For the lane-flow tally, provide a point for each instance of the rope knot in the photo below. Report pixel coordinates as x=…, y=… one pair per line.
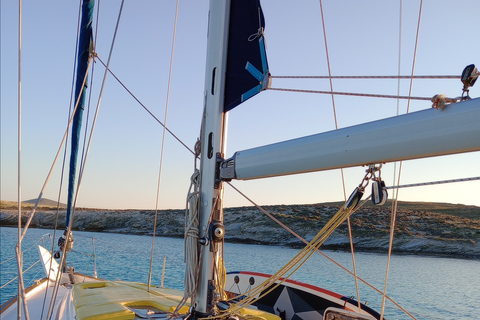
x=198, y=148
x=260, y=28
x=257, y=35
x=440, y=101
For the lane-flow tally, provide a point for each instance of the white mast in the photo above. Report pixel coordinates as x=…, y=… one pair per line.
x=212, y=138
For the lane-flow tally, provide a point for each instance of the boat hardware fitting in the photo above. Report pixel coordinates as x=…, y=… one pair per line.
x=379, y=190
x=469, y=76
x=204, y=241
x=217, y=231
x=227, y=169
x=218, y=168
x=357, y=194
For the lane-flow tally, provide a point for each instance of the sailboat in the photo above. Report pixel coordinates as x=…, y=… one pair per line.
x=236, y=71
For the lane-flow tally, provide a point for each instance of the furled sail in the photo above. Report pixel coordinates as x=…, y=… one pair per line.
x=84, y=45
x=247, y=68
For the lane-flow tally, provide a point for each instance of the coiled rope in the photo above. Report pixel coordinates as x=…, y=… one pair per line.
x=191, y=234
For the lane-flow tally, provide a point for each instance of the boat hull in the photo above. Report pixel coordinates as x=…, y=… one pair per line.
x=293, y=300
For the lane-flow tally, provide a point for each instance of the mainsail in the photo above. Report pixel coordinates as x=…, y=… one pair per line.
x=247, y=68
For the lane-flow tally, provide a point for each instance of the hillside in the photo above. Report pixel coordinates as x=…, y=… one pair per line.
x=45, y=202
x=28, y=204
x=421, y=228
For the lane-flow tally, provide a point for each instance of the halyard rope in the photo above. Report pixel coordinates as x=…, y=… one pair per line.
x=18, y=248
x=367, y=77
x=421, y=184
x=69, y=229
x=62, y=175
x=341, y=170
x=37, y=202
x=395, y=202
x=163, y=146
x=371, y=95
x=319, y=251
x=293, y=265
x=144, y=107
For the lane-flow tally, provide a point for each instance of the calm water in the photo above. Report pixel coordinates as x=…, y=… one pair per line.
x=429, y=288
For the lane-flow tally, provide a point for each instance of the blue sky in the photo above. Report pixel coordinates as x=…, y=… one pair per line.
x=122, y=168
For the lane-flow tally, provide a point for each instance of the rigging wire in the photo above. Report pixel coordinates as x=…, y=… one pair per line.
x=341, y=170
x=326, y=92
x=395, y=202
x=92, y=53
x=97, y=108
x=190, y=150
x=332, y=93
x=21, y=286
x=29, y=248
x=369, y=77
x=395, y=198
x=415, y=54
x=421, y=184
x=329, y=73
x=371, y=95
x=280, y=276
x=163, y=145
x=49, y=175
x=23, y=272
x=62, y=174
x=57, y=282
x=32, y=213
x=144, y=107
x=319, y=251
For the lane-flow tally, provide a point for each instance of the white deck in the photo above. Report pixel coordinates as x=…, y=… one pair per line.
x=63, y=308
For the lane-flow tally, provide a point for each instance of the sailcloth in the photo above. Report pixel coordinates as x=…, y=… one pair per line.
x=247, y=68
x=84, y=44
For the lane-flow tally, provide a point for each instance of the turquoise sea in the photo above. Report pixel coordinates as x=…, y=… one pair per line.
x=428, y=287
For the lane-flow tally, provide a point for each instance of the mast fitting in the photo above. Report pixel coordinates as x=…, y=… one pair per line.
x=469, y=76
x=227, y=169
x=217, y=231
x=221, y=167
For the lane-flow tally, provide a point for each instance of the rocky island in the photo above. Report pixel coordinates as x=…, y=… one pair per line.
x=439, y=229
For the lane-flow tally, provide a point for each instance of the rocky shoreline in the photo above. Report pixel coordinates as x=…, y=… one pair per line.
x=446, y=230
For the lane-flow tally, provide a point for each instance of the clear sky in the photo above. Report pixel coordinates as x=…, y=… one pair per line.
x=123, y=164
